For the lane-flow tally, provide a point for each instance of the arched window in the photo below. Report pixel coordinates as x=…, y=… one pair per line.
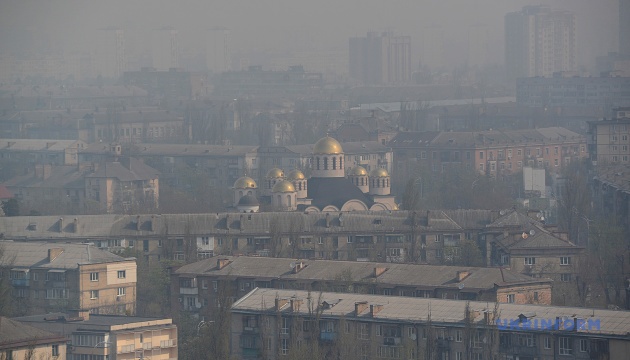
x=279, y=200
x=334, y=163
x=326, y=163
x=341, y=162
x=249, y=192
x=318, y=163
x=240, y=194
x=289, y=201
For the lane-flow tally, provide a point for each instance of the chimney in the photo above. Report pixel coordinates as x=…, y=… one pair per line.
x=280, y=303
x=223, y=262
x=299, y=265
x=53, y=253
x=472, y=314
x=375, y=309
x=461, y=275
x=295, y=304
x=138, y=223
x=75, y=228
x=379, y=270
x=60, y=223
x=359, y=307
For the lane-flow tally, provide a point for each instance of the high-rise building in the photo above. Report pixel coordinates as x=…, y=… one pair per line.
x=165, y=48
x=539, y=41
x=380, y=58
x=624, y=27
x=110, y=61
x=218, y=49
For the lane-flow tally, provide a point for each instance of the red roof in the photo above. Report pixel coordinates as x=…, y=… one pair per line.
x=5, y=193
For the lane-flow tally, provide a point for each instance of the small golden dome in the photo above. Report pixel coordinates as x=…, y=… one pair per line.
x=296, y=175
x=275, y=173
x=283, y=187
x=379, y=172
x=327, y=146
x=358, y=171
x=245, y=182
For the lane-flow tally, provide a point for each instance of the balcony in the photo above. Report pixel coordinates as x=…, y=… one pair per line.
x=168, y=343
x=328, y=336
x=391, y=341
x=250, y=353
x=250, y=329
x=56, y=284
x=189, y=291
x=520, y=350
x=20, y=282
x=442, y=343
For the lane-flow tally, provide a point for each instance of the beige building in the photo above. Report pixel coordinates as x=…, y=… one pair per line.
x=274, y=324
x=47, y=277
x=110, y=337
x=20, y=341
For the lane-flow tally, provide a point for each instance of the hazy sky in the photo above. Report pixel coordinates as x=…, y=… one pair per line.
x=282, y=24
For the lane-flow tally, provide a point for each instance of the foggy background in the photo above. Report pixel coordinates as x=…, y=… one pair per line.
x=30, y=26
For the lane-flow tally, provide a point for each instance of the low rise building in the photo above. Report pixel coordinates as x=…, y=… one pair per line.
x=20, y=341
x=609, y=140
x=46, y=277
x=200, y=286
x=270, y=323
x=29, y=152
x=112, y=337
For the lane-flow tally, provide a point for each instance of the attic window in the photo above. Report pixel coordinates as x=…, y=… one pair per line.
x=32, y=226
x=377, y=221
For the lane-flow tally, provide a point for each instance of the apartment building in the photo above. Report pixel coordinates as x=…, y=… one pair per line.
x=611, y=194
x=48, y=277
x=494, y=153
x=39, y=151
x=19, y=341
x=113, y=337
x=272, y=324
x=198, y=287
x=609, y=140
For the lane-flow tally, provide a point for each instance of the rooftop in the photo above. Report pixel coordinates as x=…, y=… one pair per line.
x=35, y=255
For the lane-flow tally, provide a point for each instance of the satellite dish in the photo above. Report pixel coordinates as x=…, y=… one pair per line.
x=532, y=232
x=501, y=212
x=292, y=265
x=524, y=235
x=460, y=286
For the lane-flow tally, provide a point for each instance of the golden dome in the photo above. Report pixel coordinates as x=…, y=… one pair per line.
x=296, y=175
x=283, y=187
x=275, y=173
x=379, y=172
x=245, y=182
x=358, y=171
x=327, y=146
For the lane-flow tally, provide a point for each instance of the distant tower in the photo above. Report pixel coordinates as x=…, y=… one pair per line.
x=380, y=58
x=539, y=41
x=165, y=48
x=109, y=60
x=218, y=56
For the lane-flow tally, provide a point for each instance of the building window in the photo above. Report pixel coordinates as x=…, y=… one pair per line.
x=530, y=261
x=379, y=330
x=363, y=333
x=565, y=260
x=547, y=342
x=121, y=291
x=535, y=295
x=510, y=298
x=122, y=274
x=565, y=348
x=55, y=350
x=284, y=350
x=94, y=276
x=459, y=336
x=565, y=277
x=94, y=294
x=285, y=326
x=583, y=345
x=459, y=355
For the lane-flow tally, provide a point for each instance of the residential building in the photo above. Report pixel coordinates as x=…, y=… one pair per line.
x=165, y=48
x=539, y=41
x=171, y=82
x=558, y=93
x=624, y=27
x=91, y=336
x=49, y=277
x=272, y=323
x=380, y=59
x=495, y=153
x=20, y=341
x=609, y=140
x=611, y=194
x=199, y=286
x=40, y=151
x=110, y=60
